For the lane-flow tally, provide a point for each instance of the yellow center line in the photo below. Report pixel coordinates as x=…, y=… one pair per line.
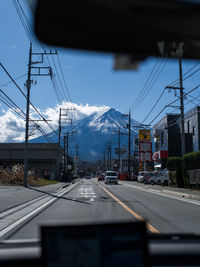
x=132, y=212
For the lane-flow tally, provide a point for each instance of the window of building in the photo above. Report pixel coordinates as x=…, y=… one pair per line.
x=188, y=126
x=162, y=138
x=193, y=130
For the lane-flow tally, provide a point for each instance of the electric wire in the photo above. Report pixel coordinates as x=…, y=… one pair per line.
x=14, y=107
x=143, y=88
x=37, y=111
x=152, y=82
x=193, y=89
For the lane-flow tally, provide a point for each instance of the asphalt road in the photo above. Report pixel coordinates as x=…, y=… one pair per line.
x=90, y=201
x=11, y=196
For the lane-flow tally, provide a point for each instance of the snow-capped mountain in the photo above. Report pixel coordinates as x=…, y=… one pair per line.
x=92, y=132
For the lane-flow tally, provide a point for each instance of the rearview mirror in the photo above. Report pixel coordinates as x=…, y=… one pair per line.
x=140, y=28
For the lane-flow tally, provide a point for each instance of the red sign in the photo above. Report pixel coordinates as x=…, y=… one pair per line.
x=162, y=154
x=145, y=151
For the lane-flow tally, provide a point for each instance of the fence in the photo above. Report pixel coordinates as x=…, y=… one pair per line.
x=194, y=177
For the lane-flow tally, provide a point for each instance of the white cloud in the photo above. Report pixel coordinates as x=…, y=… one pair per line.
x=13, y=128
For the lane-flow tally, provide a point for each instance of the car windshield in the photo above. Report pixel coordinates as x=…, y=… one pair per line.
x=67, y=116
x=111, y=174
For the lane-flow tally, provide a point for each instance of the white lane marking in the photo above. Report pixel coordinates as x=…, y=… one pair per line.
x=195, y=202
x=34, y=212
x=87, y=192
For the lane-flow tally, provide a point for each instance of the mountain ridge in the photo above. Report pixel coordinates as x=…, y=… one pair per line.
x=93, y=132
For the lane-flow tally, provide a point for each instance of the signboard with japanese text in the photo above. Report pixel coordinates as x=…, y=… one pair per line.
x=144, y=135
x=145, y=151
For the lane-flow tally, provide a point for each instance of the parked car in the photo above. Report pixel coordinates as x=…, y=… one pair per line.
x=140, y=178
x=163, y=177
x=101, y=177
x=111, y=177
x=134, y=176
x=154, y=178
x=148, y=175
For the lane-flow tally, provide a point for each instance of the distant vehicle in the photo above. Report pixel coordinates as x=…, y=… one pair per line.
x=140, y=178
x=88, y=175
x=148, y=175
x=134, y=176
x=101, y=177
x=111, y=177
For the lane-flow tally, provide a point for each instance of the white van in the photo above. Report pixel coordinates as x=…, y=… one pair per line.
x=111, y=177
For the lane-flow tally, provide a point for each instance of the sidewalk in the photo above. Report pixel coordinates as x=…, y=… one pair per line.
x=180, y=192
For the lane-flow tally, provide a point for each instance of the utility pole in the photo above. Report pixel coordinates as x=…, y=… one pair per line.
x=66, y=142
x=38, y=71
x=66, y=137
x=64, y=157
x=129, y=141
x=110, y=156
x=119, y=151
x=59, y=129
x=28, y=87
x=77, y=158
x=104, y=160
x=108, y=163
x=67, y=149
x=182, y=108
x=62, y=118
x=180, y=88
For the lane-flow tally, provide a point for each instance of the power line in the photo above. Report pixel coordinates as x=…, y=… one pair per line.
x=196, y=87
x=26, y=98
x=14, y=107
x=156, y=78
x=64, y=80
x=177, y=80
x=19, y=77
x=29, y=31
x=153, y=106
x=143, y=88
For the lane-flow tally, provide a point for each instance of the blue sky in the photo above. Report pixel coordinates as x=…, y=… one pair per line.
x=90, y=77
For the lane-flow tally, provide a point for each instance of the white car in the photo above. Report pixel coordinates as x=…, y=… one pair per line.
x=163, y=177
x=154, y=179
x=140, y=178
x=88, y=175
x=111, y=177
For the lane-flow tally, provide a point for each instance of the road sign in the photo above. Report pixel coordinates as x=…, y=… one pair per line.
x=144, y=135
x=145, y=151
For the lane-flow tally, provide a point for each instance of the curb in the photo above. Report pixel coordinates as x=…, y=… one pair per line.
x=195, y=197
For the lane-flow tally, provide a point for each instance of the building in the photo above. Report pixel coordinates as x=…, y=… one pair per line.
x=192, y=126
x=167, y=138
x=44, y=159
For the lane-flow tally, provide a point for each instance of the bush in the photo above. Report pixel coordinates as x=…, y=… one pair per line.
x=191, y=161
x=15, y=176
x=175, y=164
x=172, y=177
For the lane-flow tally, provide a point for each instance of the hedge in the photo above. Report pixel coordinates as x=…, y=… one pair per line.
x=191, y=161
x=175, y=164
